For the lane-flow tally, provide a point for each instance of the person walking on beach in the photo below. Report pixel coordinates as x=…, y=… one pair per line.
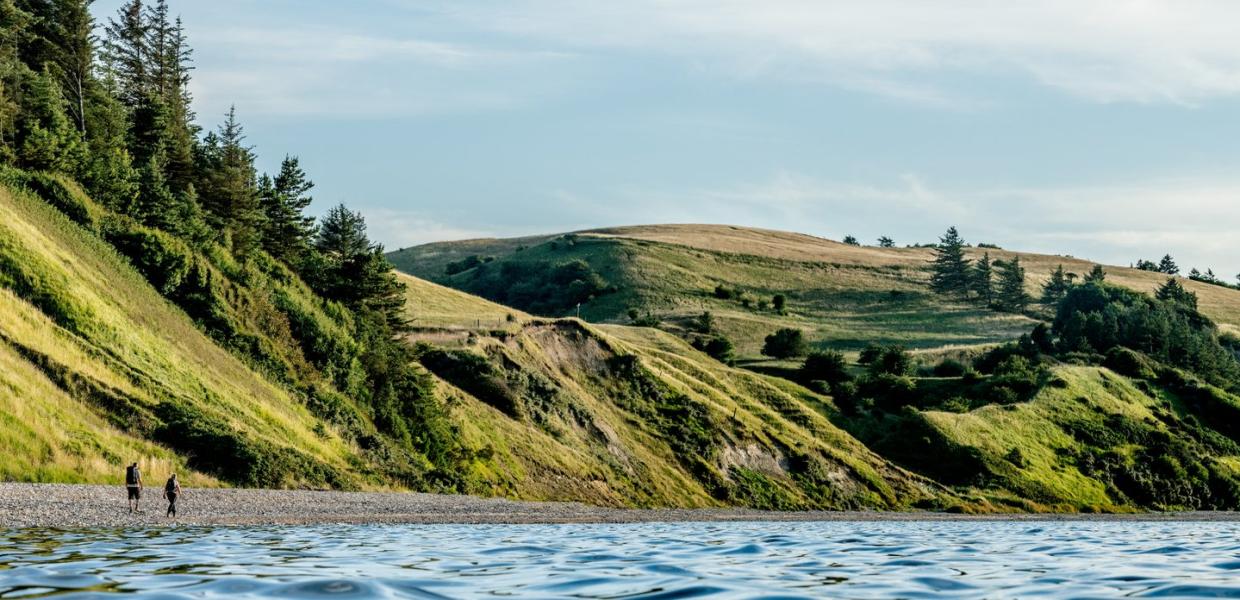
x=172, y=489
x=133, y=483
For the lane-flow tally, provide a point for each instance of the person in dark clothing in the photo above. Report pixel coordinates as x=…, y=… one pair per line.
x=172, y=489
x=133, y=483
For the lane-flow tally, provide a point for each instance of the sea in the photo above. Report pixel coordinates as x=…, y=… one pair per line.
x=770, y=560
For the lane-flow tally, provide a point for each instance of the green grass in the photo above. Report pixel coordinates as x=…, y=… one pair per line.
x=842, y=296
x=838, y=306
x=77, y=312
x=574, y=425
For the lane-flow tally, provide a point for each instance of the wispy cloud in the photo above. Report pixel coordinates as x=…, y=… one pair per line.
x=1193, y=219
x=1147, y=51
x=328, y=71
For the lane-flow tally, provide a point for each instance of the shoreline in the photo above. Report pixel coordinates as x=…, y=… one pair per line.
x=27, y=505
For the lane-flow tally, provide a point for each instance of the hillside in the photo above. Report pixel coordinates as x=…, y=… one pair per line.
x=104, y=368
x=843, y=296
x=99, y=369
x=627, y=416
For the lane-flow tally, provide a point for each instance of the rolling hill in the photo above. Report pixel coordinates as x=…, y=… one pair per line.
x=102, y=362
x=843, y=296
x=119, y=343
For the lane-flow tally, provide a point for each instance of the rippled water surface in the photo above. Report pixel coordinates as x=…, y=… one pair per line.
x=1102, y=559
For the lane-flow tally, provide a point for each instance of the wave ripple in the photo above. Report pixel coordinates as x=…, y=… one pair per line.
x=907, y=559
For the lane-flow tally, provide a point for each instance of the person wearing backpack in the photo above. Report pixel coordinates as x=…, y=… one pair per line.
x=172, y=489
x=133, y=483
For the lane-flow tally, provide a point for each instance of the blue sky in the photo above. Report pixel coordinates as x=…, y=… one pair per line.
x=1106, y=130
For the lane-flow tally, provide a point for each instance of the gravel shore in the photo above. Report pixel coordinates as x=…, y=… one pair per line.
x=71, y=506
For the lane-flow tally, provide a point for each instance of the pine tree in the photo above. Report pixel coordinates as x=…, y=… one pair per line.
x=230, y=186
x=886, y=242
x=1173, y=291
x=355, y=270
x=950, y=268
x=126, y=55
x=285, y=200
x=1011, y=296
x=1096, y=275
x=982, y=280
x=1056, y=287
x=1167, y=265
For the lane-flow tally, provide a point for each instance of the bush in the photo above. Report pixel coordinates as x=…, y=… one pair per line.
x=719, y=348
x=891, y=360
x=827, y=365
x=723, y=292
x=950, y=367
x=465, y=264
x=785, y=343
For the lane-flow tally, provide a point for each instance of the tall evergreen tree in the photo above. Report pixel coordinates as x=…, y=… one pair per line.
x=1011, y=295
x=356, y=271
x=1056, y=287
x=982, y=280
x=126, y=54
x=1096, y=275
x=1167, y=265
x=950, y=268
x=289, y=230
x=229, y=190
x=1173, y=291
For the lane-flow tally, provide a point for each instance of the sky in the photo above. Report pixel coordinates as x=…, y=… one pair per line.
x=1107, y=130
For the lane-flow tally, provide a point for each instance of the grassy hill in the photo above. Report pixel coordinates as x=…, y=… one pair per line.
x=842, y=296
x=99, y=369
x=106, y=357
x=120, y=343
x=633, y=416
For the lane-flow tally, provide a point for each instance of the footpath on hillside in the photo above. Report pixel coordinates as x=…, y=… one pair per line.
x=24, y=505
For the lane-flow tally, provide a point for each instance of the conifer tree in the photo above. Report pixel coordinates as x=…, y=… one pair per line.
x=1010, y=295
x=229, y=190
x=886, y=242
x=355, y=270
x=1096, y=275
x=982, y=280
x=1174, y=291
x=285, y=199
x=1056, y=287
x=950, y=268
x=126, y=55
x=1167, y=265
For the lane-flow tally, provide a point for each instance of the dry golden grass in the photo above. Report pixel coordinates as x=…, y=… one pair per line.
x=1219, y=303
x=430, y=305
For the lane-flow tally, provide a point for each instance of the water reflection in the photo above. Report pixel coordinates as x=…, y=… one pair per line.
x=686, y=560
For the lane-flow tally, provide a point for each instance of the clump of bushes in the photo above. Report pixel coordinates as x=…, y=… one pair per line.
x=465, y=264
x=539, y=287
x=785, y=343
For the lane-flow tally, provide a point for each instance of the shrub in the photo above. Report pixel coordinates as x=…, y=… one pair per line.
x=950, y=367
x=891, y=360
x=719, y=348
x=785, y=343
x=827, y=365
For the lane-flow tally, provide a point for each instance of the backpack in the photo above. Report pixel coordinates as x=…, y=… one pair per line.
x=131, y=475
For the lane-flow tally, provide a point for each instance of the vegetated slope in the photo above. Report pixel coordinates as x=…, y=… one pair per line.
x=843, y=296
x=98, y=369
x=632, y=416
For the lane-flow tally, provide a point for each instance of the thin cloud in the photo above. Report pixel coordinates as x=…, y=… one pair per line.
x=1195, y=220
x=1155, y=51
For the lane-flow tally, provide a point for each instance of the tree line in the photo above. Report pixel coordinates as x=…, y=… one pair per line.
x=115, y=113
